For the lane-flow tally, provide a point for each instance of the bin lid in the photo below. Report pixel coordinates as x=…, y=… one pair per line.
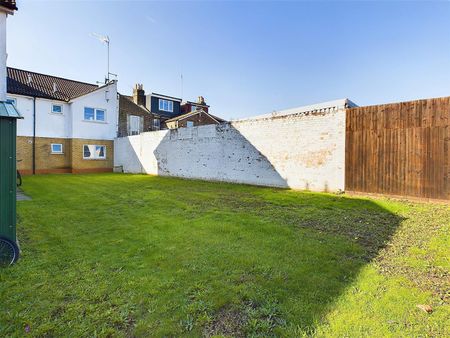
x=8, y=110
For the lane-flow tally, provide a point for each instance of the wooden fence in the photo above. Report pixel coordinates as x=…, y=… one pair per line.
x=400, y=149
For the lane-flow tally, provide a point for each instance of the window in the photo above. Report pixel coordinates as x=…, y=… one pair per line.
x=57, y=108
x=56, y=148
x=156, y=124
x=189, y=124
x=135, y=124
x=94, y=152
x=12, y=101
x=193, y=108
x=165, y=105
x=93, y=114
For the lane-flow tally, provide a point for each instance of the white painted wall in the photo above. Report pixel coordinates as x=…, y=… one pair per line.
x=300, y=150
x=3, y=55
x=24, y=105
x=104, y=98
x=49, y=124
x=69, y=124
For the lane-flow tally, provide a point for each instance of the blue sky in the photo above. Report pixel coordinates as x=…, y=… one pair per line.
x=245, y=58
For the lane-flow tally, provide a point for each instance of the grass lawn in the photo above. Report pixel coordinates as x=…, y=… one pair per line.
x=135, y=255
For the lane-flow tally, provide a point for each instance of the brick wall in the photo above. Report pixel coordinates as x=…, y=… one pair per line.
x=128, y=107
x=199, y=119
x=80, y=165
x=300, y=150
x=70, y=161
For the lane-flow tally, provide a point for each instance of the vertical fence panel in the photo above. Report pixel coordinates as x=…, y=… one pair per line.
x=400, y=149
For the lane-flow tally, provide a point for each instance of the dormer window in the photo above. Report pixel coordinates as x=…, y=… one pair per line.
x=193, y=108
x=165, y=105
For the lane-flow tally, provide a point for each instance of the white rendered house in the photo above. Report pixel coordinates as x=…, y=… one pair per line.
x=68, y=126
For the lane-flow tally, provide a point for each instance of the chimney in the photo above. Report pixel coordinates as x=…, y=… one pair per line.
x=139, y=94
x=201, y=100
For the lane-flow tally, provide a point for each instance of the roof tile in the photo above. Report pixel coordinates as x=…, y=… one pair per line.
x=23, y=82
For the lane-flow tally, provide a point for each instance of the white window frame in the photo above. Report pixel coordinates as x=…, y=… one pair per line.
x=158, y=125
x=58, y=105
x=93, y=152
x=56, y=152
x=169, y=105
x=139, y=125
x=95, y=115
x=13, y=101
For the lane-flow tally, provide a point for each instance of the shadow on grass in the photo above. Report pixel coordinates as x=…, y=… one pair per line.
x=171, y=257
x=320, y=242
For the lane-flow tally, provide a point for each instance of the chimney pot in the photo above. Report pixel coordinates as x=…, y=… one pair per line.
x=201, y=100
x=139, y=94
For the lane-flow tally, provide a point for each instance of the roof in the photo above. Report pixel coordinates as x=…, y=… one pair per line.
x=322, y=107
x=196, y=104
x=166, y=96
x=24, y=82
x=10, y=4
x=8, y=110
x=183, y=116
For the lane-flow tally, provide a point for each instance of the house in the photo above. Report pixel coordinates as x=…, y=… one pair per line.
x=189, y=106
x=134, y=117
x=193, y=119
x=159, y=107
x=68, y=126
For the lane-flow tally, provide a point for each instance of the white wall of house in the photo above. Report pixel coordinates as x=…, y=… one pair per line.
x=70, y=123
x=49, y=124
x=24, y=105
x=300, y=149
x=3, y=55
x=104, y=98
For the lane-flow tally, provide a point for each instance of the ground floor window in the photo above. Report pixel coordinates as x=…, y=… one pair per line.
x=189, y=124
x=56, y=148
x=94, y=152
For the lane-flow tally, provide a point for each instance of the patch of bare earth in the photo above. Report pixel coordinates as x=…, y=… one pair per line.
x=228, y=322
x=415, y=232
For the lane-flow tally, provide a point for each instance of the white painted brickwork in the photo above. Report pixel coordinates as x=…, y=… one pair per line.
x=300, y=150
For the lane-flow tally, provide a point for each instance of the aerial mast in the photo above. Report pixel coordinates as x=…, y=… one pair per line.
x=104, y=39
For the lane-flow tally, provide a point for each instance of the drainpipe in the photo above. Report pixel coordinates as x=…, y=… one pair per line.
x=34, y=135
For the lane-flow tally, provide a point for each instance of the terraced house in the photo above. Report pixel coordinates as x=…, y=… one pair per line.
x=68, y=127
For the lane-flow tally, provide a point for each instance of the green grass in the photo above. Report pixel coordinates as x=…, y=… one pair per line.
x=133, y=255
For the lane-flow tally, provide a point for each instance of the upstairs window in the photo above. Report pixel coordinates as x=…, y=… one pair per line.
x=57, y=108
x=12, y=101
x=189, y=124
x=94, y=114
x=193, y=108
x=94, y=152
x=165, y=105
